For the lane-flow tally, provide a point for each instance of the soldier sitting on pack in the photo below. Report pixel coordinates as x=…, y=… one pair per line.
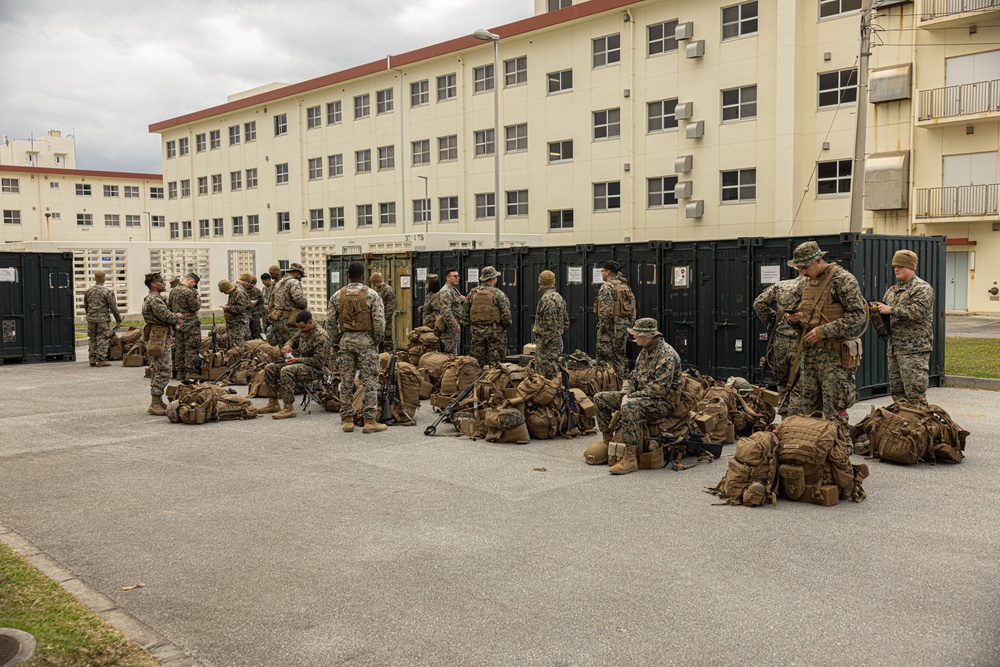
x=99, y=302
x=487, y=309
x=306, y=356
x=551, y=320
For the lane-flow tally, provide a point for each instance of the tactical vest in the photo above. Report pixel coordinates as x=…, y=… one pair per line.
x=483, y=310
x=815, y=305
x=355, y=315
x=624, y=301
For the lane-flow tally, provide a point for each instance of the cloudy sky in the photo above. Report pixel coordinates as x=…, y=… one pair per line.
x=103, y=70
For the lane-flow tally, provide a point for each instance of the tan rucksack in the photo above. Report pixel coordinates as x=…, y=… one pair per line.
x=752, y=414
x=711, y=418
x=543, y=421
x=201, y=402
x=537, y=389
x=906, y=433
x=752, y=476
x=483, y=311
x=813, y=458
x=624, y=300
x=593, y=379
x=408, y=391
x=459, y=373
x=422, y=340
x=434, y=362
x=354, y=313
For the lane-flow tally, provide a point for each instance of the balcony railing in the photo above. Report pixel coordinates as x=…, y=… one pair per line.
x=956, y=202
x=935, y=9
x=964, y=100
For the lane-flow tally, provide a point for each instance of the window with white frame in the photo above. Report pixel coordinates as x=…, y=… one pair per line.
x=608, y=196
x=216, y=183
x=316, y=218
x=13, y=186
x=833, y=177
x=739, y=20
x=112, y=220
x=234, y=134
x=660, y=115
x=253, y=224
x=284, y=221
x=607, y=124
x=660, y=191
x=183, y=146
x=251, y=178
x=155, y=193
x=158, y=221
x=336, y=217
x=185, y=187
x=386, y=157
x=11, y=216
x=281, y=173
x=446, y=87
x=334, y=112
x=250, y=131
x=83, y=189
x=215, y=139
x=53, y=185
x=175, y=231
x=110, y=190
x=516, y=138
x=204, y=228
x=829, y=8
x=560, y=81
x=335, y=165
x=421, y=151
x=485, y=142
x=660, y=38
x=364, y=215
x=237, y=225
x=387, y=214
x=85, y=219
x=171, y=190
x=363, y=161
x=486, y=205
x=421, y=211
x=314, y=117
x=203, y=185
x=218, y=227
x=560, y=151
x=315, y=168
x=171, y=149
x=838, y=87
x=186, y=231
x=200, y=143
x=131, y=192
x=362, y=106
x=561, y=219
x=419, y=93
x=280, y=124
x=607, y=50
x=739, y=103
x=383, y=101
x=448, y=148
x=517, y=203
x=482, y=78
x=739, y=185
x=133, y=220
x=515, y=71
x=235, y=180
x=555, y=5
x=447, y=209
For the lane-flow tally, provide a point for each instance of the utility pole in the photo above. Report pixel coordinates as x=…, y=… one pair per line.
x=861, y=121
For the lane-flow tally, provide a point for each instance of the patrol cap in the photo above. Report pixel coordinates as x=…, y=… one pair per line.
x=154, y=277
x=99, y=276
x=906, y=259
x=295, y=266
x=195, y=277
x=487, y=273
x=644, y=326
x=248, y=278
x=376, y=278
x=175, y=281
x=225, y=286
x=546, y=278
x=805, y=254
x=274, y=270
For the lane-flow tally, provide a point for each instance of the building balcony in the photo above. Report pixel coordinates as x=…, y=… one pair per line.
x=943, y=14
x=952, y=204
x=960, y=105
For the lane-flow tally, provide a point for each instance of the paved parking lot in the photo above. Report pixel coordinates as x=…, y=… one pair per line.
x=291, y=543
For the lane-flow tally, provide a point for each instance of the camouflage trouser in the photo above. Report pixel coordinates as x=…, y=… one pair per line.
x=187, y=342
x=281, y=332
x=781, y=360
x=451, y=342
x=489, y=345
x=269, y=336
x=611, y=350
x=636, y=411
x=358, y=357
x=161, y=368
x=547, y=353
x=908, y=375
x=388, y=344
x=281, y=379
x=824, y=384
x=255, y=327
x=98, y=333
x=238, y=332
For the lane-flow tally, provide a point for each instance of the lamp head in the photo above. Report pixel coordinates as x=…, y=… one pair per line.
x=486, y=35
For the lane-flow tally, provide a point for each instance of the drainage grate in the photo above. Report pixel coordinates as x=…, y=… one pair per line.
x=15, y=647
x=8, y=648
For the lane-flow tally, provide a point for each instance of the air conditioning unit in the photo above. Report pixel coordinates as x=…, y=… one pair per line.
x=683, y=189
x=695, y=49
x=695, y=209
x=695, y=130
x=684, y=31
x=684, y=110
x=683, y=164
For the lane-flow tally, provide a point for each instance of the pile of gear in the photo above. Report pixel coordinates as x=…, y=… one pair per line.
x=907, y=433
x=201, y=402
x=399, y=387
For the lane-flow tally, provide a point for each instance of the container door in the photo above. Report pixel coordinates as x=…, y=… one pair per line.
x=769, y=265
x=56, y=306
x=12, y=338
x=724, y=284
x=680, y=298
x=509, y=264
x=572, y=281
x=402, y=282
x=533, y=262
x=643, y=272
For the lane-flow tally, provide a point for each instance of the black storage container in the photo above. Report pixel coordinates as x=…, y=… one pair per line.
x=36, y=307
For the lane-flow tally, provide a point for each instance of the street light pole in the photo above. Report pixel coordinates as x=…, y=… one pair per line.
x=488, y=36
x=426, y=213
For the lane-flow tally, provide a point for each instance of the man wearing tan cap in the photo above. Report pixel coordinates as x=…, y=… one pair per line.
x=99, y=303
x=487, y=310
x=910, y=307
x=249, y=283
x=237, y=313
x=384, y=290
x=551, y=320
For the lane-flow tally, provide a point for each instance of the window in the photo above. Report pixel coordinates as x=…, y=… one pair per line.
x=235, y=180
x=447, y=209
x=13, y=186
x=562, y=219
x=131, y=192
x=515, y=71
x=204, y=228
x=171, y=190
x=280, y=124
x=835, y=7
x=171, y=149
x=250, y=131
x=253, y=224
x=334, y=112
x=313, y=117
x=482, y=78
x=739, y=185
x=607, y=124
x=739, y=103
x=186, y=229
x=446, y=87
x=56, y=216
x=387, y=214
x=660, y=38
x=660, y=191
x=840, y=87
x=335, y=165
x=386, y=157
x=234, y=135
x=516, y=137
x=421, y=151
x=85, y=219
x=215, y=139
x=281, y=173
x=363, y=161
x=517, y=203
x=186, y=187
x=110, y=190
x=316, y=218
x=419, y=94
x=559, y=4
x=833, y=177
x=83, y=189
x=560, y=81
x=486, y=205
x=54, y=185
x=133, y=220
x=237, y=225
x=251, y=178
x=336, y=217
x=608, y=196
x=216, y=183
x=284, y=221
x=383, y=101
x=203, y=185
x=364, y=215
x=421, y=211
x=485, y=141
x=11, y=217
x=175, y=231
x=560, y=150
x=112, y=220
x=158, y=221
x=362, y=106
x=447, y=148
x=218, y=229
x=199, y=143
x=739, y=20
x=660, y=115
x=183, y=146
x=607, y=50
x=315, y=168
x=155, y=193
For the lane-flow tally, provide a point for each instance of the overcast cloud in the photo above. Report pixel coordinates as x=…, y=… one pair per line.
x=104, y=70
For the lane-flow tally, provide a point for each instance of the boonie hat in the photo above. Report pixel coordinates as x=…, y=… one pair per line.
x=295, y=266
x=487, y=273
x=644, y=326
x=805, y=254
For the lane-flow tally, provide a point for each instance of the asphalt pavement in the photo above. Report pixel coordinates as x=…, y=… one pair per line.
x=972, y=326
x=291, y=543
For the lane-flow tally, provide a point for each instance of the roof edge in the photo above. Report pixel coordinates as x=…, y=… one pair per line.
x=80, y=172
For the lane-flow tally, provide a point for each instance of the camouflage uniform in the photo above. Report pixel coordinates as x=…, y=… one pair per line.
x=268, y=298
x=312, y=349
x=187, y=337
x=357, y=352
x=489, y=341
x=237, y=316
x=612, y=333
x=287, y=295
x=451, y=340
x=256, y=311
x=100, y=304
x=770, y=306
x=551, y=320
x=156, y=313
x=389, y=303
x=910, y=338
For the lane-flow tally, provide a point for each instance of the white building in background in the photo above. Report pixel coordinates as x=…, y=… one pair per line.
x=52, y=150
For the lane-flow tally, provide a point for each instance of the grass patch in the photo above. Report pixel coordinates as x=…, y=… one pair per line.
x=972, y=357
x=67, y=633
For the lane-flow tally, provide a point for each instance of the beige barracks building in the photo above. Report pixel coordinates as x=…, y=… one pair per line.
x=620, y=121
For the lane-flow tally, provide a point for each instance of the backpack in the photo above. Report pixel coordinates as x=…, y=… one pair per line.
x=685, y=396
x=752, y=476
x=505, y=425
x=712, y=419
x=422, y=341
x=483, y=311
x=199, y=403
x=816, y=448
x=354, y=313
x=543, y=421
x=407, y=391
x=906, y=433
x=538, y=390
x=459, y=373
x=329, y=396
x=593, y=379
x=752, y=414
x=434, y=362
x=624, y=300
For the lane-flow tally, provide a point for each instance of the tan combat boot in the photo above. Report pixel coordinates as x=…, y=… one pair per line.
x=373, y=426
x=627, y=464
x=157, y=406
x=287, y=412
x=271, y=407
x=93, y=360
x=101, y=363
x=347, y=423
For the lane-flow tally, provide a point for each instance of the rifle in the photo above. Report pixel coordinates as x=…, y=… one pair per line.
x=387, y=395
x=229, y=370
x=446, y=413
x=569, y=401
x=215, y=340
x=111, y=334
x=693, y=445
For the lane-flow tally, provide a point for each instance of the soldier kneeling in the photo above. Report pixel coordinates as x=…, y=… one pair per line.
x=307, y=354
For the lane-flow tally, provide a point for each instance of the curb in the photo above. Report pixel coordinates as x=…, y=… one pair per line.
x=146, y=637
x=963, y=382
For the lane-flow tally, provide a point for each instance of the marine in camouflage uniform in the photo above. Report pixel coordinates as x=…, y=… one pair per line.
x=287, y=296
x=156, y=313
x=489, y=339
x=770, y=307
x=184, y=299
x=310, y=349
x=388, y=296
x=451, y=299
x=910, y=307
x=100, y=305
x=612, y=332
x=236, y=312
x=551, y=320
x=273, y=276
x=657, y=371
x=249, y=283
x=357, y=352
x=824, y=383
x=436, y=307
